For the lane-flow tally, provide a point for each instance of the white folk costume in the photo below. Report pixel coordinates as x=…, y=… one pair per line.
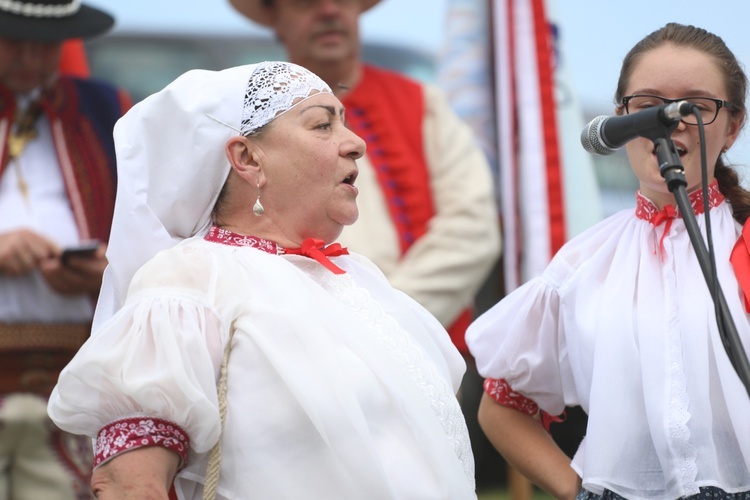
x=622, y=323
x=338, y=385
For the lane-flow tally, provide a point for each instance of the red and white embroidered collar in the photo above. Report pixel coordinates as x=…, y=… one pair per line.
x=646, y=209
x=311, y=247
x=229, y=238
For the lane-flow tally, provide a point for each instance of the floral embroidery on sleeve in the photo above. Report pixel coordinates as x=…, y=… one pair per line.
x=500, y=390
x=131, y=433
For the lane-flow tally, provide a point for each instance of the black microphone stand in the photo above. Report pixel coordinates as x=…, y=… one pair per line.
x=671, y=168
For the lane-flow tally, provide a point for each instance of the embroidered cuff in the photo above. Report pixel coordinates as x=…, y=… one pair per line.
x=500, y=390
x=131, y=433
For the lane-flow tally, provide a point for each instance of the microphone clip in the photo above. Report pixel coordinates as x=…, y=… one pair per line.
x=670, y=165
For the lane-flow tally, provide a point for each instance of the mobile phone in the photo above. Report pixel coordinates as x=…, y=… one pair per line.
x=85, y=249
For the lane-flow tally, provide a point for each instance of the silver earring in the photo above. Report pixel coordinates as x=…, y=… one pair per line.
x=258, y=209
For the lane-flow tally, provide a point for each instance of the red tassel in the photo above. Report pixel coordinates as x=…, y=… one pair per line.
x=73, y=60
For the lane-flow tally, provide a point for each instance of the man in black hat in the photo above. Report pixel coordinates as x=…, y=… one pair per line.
x=57, y=189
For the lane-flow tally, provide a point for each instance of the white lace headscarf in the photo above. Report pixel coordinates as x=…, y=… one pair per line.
x=171, y=163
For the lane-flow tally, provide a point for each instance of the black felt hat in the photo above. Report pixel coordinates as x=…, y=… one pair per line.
x=51, y=20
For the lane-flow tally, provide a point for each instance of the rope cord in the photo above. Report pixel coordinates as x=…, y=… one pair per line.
x=214, y=459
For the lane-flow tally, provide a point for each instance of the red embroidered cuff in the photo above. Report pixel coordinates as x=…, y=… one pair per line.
x=499, y=389
x=137, y=432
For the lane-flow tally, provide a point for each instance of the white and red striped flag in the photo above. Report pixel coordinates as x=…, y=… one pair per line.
x=546, y=183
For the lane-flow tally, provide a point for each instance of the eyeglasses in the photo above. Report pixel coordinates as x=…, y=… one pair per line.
x=708, y=106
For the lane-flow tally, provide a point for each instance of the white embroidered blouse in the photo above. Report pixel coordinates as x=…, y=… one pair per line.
x=622, y=323
x=339, y=386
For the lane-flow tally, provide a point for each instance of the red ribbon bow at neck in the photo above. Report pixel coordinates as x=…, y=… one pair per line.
x=667, y=214
x=315, y=249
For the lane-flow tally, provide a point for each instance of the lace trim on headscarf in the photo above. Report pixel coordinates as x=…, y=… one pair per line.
x=275, y=88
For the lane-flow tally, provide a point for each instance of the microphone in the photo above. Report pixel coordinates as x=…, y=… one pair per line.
x=606, y=134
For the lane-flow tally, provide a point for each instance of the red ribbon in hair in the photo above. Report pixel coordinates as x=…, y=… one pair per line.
x=740, y=259
x=315, y=249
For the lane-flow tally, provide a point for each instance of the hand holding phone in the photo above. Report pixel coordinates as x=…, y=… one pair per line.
x=77, y=270
x=86, y=249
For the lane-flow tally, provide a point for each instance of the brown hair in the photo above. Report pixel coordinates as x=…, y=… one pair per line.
x=735, y=81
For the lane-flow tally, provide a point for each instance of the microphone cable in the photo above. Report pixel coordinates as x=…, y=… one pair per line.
x=724, y=322
x=714, y=285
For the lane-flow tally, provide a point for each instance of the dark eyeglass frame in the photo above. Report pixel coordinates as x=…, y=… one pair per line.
x=719, y=104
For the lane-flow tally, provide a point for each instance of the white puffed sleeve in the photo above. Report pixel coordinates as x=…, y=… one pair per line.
x=158, y=357
x=520, y=340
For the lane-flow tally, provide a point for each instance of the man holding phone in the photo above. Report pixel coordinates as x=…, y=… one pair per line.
x=57, y=189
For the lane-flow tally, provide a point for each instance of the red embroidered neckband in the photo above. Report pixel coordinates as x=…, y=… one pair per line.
x=646, y=209
x=311, y=247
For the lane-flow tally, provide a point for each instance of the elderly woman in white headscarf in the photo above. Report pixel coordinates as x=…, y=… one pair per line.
x=232, y=352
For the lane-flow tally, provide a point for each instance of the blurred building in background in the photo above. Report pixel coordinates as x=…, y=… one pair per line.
x=144, y=63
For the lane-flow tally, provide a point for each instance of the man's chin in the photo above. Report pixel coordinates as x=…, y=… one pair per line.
x=331, y=53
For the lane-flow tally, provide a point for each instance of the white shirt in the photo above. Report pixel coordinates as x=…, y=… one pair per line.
x=46, y=211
